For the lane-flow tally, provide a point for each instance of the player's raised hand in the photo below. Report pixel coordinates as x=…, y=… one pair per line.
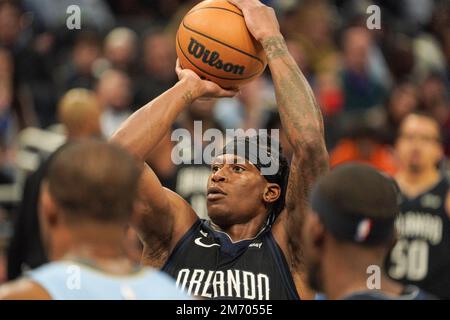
x=203, y=88
x=260, y=19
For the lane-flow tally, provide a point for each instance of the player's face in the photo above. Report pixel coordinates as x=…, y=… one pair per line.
x=418, y=146
x=235, y=191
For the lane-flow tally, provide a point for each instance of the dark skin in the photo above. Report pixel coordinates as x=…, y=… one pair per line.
x=91, y=240
x=325, y=257
x=166, y=217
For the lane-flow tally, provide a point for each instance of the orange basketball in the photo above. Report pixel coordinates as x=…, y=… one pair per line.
x=213, y=40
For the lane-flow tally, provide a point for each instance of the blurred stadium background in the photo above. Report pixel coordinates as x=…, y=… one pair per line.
x=366, y=81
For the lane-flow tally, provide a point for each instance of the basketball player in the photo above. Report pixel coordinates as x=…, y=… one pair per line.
x=348, y=233
x=421, y=254
x=83, y=209
x=79, y=114
x=251, y=247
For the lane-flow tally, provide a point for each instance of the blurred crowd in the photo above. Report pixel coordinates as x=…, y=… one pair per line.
x=58, y=84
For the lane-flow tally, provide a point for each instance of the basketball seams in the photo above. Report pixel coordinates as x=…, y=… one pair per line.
x=219, y=8
x=224, y=44
x=206, y=72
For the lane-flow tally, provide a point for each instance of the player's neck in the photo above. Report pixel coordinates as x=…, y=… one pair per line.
x=344, y=275
x=413, y=183
x=238, y=232
x=104, y=243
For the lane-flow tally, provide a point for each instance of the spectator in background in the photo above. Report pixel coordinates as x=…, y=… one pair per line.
x=114, y=95
x=363, y=143
x=79, y=112
x=402, y=100
x=361, y=90
x=79, y=72
x=34, y=91
x=312, y=24
x=330, y=96
x=250, y=108
x=120, y=49
x=158, y=65
x=435, y=97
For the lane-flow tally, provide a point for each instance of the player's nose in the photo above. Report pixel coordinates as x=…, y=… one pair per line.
x=218, y=176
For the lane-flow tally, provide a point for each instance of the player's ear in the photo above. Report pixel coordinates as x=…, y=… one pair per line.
x=318, y=232
x=271, y=193
x=48, y=211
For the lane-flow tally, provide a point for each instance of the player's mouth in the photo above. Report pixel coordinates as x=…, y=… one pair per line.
x=215, y=193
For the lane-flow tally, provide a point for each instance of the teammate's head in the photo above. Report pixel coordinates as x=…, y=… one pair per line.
x=251, y=173
x=419, y=143
x=351, y=222
x=88, y=184
x=79, y=112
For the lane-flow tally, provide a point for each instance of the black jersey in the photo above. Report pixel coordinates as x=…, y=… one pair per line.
x=207, y=264
x=421, y=255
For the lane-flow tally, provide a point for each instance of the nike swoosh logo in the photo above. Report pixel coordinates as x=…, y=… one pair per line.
x=201, y=244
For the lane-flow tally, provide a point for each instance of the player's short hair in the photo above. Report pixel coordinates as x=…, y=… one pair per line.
x=93, y=180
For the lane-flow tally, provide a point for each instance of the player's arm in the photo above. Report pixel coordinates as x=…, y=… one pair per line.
x=162, y=214
x=300, y=116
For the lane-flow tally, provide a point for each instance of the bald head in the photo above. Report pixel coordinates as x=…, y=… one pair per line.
x=93, y=181
x=79, y=112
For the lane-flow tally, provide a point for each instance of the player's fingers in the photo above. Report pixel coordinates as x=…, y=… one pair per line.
x=178, y=67
x=242, y=4
x=228, y=92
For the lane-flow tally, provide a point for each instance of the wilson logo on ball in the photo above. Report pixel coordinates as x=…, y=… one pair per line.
x=199, y=51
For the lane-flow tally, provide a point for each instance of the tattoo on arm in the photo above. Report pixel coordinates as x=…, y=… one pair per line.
x=275, y=47
x=302, y=121
x=187, y=97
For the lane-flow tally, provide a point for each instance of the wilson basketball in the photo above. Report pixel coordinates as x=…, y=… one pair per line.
x=214, y=41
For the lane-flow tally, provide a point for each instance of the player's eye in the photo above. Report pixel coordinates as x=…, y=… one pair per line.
x=238, y=169
x=215, y=168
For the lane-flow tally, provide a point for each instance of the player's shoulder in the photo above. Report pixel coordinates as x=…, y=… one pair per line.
x=23, y=289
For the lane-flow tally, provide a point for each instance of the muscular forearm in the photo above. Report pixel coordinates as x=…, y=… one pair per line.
x=300, y=114
x=145, y=128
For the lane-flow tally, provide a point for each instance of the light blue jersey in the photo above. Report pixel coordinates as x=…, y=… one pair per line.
x=69, y=280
